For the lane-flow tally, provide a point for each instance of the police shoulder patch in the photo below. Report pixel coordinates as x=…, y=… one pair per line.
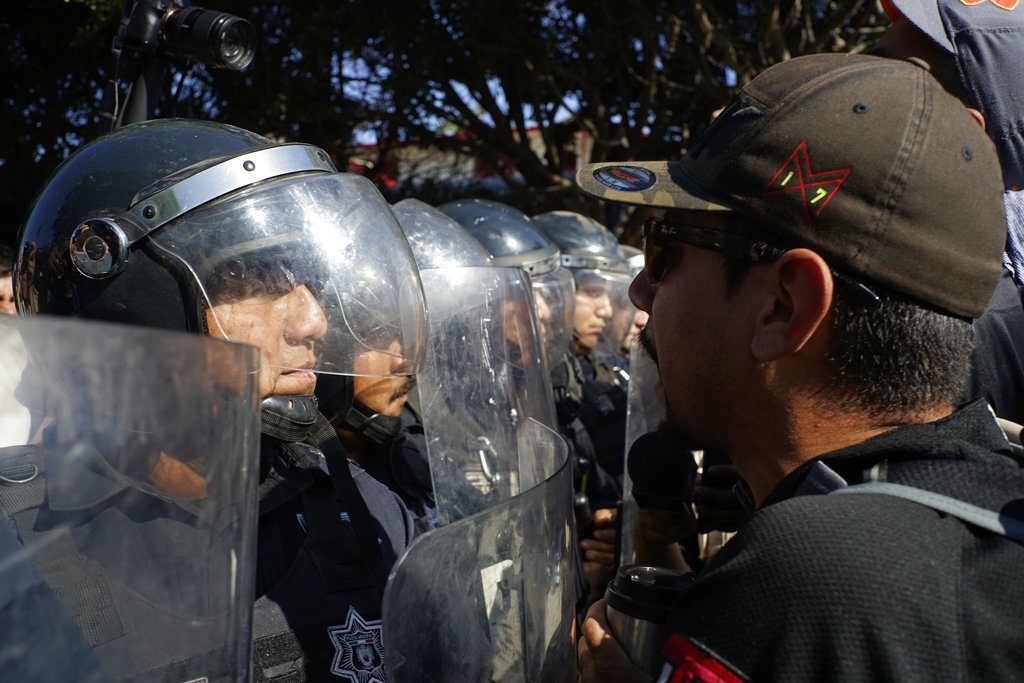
x=358, y=649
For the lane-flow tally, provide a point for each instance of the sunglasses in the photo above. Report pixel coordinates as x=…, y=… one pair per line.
x=662, y=240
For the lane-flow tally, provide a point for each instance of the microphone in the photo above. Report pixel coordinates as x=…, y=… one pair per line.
x=663, y=472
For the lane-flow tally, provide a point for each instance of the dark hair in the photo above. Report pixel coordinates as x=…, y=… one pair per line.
x=6, y=259
x=894, y=358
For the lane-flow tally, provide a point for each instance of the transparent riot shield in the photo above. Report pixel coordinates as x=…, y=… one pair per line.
x=644, y=412
x=483, y=377
x=130, y=497
x=490, y=597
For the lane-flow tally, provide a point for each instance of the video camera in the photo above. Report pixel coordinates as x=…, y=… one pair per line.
x=154, y=32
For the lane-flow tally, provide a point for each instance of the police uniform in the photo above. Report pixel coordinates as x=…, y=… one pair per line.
x=323, y=560
x=402, y=466
x=589, y=476
x=868, y=586
x=603, y=410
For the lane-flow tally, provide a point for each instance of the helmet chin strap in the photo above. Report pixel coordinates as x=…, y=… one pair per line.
x=288, y=418
x=336, y=394
x=380, y=429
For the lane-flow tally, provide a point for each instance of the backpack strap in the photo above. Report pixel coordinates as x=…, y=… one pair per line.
x=22, y=484
x=1004, y=525
x=79, y=585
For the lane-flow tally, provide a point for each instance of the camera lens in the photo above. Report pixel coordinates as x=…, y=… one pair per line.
x=210, y=37
x=236, y=44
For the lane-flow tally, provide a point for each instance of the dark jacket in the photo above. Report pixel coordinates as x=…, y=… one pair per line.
x=404, y=468
x=868, y=586
x=318, y=609
x=998, y=359
x=589, y=477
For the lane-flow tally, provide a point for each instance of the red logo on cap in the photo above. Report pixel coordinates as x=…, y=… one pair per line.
x=816, y=189
x=1001, y=4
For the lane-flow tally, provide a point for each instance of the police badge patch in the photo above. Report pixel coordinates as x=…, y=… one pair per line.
x=358, y=649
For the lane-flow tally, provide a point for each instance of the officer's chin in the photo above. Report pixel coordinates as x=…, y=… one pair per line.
x=295, y=383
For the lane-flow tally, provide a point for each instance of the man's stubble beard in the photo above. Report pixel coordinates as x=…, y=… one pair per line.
x=643, y=337
x=678, y=431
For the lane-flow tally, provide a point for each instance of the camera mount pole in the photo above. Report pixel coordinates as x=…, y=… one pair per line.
x=135, y=48
x=155, y=33
x=143, y=94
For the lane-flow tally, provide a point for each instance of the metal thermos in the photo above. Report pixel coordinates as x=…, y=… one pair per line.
x=639, y=600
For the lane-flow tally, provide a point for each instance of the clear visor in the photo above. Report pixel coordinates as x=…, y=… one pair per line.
x=482, y=379
x=604, y=316
x=555, y=295
x=314, y=270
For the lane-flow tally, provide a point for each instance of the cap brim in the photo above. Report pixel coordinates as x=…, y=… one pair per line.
x=660, y=184
x=925, y=15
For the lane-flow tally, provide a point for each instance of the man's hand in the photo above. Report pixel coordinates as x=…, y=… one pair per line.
x=718, y=508
x=599, y=551
x=600, y=657
x=662, y=527
x=657, y=537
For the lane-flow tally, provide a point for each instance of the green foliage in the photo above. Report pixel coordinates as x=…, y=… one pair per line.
x=55, y=57
x=639, y=76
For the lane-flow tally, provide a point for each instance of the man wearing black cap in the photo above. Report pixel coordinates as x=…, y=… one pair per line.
x=810, y=288
x=975, y=49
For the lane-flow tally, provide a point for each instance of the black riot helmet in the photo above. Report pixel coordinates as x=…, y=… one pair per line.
x=207, y=228
x=603, y=310
x=513, y=241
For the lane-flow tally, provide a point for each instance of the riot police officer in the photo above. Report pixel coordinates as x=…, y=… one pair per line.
x=209, y=229
x=512, y=240
x=602, y=321
x=374, y=416
x=484, y=377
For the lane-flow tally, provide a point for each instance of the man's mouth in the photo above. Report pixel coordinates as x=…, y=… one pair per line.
x=303, y=371
x=403, y=390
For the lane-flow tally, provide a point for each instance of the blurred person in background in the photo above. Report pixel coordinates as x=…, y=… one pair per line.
x=975, y=50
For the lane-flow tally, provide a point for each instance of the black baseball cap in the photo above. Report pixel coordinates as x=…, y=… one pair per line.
x=866, y=160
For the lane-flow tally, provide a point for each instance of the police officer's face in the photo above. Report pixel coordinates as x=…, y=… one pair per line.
x=593, y=311
x=382, y=394
x=285, y=328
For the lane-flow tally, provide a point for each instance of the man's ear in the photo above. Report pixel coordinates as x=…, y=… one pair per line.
x=797, y=297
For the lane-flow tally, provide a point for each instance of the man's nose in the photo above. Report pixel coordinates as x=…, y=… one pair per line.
x=603, y=307
x=306, y=320
x=641, y=292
